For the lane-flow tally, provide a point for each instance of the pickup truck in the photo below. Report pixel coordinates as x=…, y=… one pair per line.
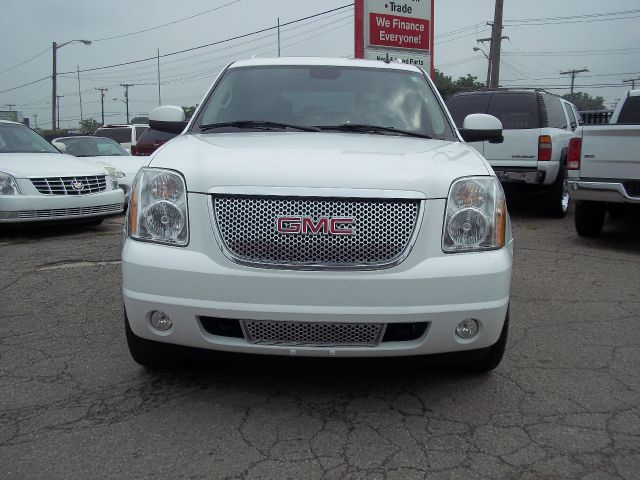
x=603, y=163
x=318, y=207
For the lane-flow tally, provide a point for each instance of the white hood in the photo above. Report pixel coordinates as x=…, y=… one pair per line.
x=125, y=163
x=25, y=165
x=320, y=160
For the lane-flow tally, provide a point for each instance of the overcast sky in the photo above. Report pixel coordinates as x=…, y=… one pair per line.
x=537, y=50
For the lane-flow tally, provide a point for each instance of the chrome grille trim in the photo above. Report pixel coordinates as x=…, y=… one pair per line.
x=313, y=334
x=245, y=227
x=62, y=185
x=70, y=212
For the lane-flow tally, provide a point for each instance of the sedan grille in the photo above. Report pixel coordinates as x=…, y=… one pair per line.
x=382, y=231
x=267, y=332
x=70, y=212
x=70, y=185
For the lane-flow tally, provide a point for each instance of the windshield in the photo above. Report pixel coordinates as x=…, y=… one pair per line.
x=119, y=134
x=20, y=139
x=92, y=147
x=324, y=96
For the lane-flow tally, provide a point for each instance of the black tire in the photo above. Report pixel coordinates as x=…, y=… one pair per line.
x=492, y=356
x=93, y=222
x=589, y=218
x=150, y=354
x=558, y=197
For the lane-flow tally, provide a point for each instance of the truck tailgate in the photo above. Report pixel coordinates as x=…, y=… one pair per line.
x=611, y=151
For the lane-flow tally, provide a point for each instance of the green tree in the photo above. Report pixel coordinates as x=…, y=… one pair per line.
x=447, y=86
x=188, y=111
x=584, y=101
x=89, y=125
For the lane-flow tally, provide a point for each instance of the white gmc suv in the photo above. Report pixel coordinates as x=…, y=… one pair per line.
x=318, y=207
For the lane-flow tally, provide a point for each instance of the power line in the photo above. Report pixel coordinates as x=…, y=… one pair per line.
x=26, y=84
x=166, y=24
x=26, y=61
x=219, y=42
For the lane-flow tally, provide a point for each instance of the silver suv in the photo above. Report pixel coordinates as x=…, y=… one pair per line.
x=537, y=127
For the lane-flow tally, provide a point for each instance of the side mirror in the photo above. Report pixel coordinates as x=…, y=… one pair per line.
x=167, y=118
x=60, y=146
x=479, y=127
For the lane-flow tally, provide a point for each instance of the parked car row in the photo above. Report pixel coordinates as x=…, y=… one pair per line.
x=39, y=183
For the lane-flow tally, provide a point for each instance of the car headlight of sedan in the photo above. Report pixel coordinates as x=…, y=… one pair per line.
x=158, y=207
x=8, y=185
x=114, y=175
x=476, y=216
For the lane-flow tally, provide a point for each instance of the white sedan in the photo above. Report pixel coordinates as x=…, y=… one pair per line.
x=104, y=151
x=38, y=183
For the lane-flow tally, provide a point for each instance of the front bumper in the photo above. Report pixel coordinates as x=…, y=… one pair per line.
x=600, y=191
x=44, y=208
x=429, y=286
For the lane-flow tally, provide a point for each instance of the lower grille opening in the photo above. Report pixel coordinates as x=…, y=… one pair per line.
x=404, y=332
x=223, y=327
x=318, y=334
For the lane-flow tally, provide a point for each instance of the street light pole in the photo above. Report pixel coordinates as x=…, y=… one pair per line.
x=477, y=49
x=54, y=75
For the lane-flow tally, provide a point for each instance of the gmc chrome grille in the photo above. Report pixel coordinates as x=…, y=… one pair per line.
x=70, y=212
x=382, y=230
x=267, y=332
x=70, y=185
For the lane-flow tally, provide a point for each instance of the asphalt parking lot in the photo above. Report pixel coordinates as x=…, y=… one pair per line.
x=565, y=402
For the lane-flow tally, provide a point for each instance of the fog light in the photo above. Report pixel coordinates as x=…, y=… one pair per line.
x=467, y=329
x=160, y=321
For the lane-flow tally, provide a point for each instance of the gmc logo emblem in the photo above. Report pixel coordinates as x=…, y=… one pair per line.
x=306, y=225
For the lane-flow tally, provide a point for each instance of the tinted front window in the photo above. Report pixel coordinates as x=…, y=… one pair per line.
x=21, y=139
x=515, y=110
x=151, y=136
x=140, y=131
x=630, y=112
x=327, y=96
x=92, y=147
x=555, y=112
x=120, y=135
x=462, y=105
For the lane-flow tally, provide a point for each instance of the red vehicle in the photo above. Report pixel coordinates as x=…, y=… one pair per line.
x=150, y=141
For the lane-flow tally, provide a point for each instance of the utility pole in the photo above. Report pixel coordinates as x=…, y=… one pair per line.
x=159, y=100
x=54, y=74
x=496, y=43
x=278, y=36
x=35, y=119
x=58, y=97
x=573, y=74
x=632, y=81
x=102, y=92
x=79, y=92
x=126, y=96
x=10, y=105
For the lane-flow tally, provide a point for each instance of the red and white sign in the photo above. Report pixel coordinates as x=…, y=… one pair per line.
x=398, y=30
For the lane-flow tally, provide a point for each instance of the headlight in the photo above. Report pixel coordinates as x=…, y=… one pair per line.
x=476, y=216
x=114, y=175
x=158, y=207
x=8, y=185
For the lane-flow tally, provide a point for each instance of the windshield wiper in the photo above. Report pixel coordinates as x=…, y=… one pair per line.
x=364, y=128
x=259, y=124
